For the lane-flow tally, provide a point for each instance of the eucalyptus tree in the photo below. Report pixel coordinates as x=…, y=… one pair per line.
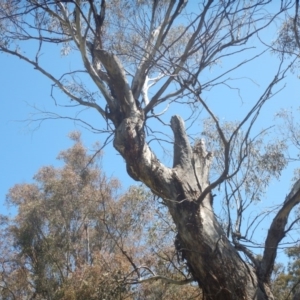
x=145, y=60
x=76, y=236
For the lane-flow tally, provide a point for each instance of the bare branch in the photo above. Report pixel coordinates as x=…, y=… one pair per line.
x=164, y=279
x=277, y=231
x=56, y=81
x=295, y=22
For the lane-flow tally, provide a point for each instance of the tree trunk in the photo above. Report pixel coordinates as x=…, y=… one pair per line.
x=214, y=263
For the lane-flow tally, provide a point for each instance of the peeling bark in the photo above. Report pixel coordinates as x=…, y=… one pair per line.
x=214, y=263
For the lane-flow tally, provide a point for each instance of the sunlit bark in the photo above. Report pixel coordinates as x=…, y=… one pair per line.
x=121, y=59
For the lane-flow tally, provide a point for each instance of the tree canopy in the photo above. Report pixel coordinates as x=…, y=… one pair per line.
x=148, y=69
x=76, y=236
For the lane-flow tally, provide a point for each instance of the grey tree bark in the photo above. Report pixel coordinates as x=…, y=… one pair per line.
x=214, y=263
x=212, y=259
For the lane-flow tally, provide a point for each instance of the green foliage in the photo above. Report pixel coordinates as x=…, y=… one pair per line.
x=253, y=163
x=286, y=285
x=76, y=236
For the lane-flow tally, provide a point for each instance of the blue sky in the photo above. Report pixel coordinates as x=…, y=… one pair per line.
x=26, y=148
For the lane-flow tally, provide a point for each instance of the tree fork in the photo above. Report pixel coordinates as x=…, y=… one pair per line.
x=214, y=263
